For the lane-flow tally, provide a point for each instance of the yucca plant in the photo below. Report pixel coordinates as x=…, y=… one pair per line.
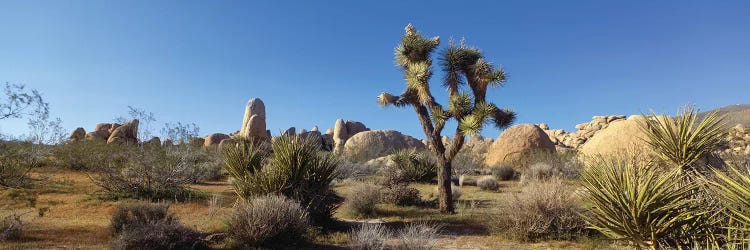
x=462, y=66
x=733, y=190
x=641, y=205
x=296, y=168
x=684, y=140
x=416, y=166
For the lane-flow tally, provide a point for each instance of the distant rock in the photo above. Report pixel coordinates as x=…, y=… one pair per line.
x=254, y=121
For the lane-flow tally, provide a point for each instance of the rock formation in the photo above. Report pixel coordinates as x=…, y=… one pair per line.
x=214, y=139
x=77, y=135
x=127, y=133
x=620, y=136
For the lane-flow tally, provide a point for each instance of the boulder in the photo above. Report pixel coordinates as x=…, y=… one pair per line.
x=103, y=129
x=154, y=141
x=620, y=136
x=196, y=142
x=354, y=127
x=329, y=132
x=214, y=139
x=127, y=133
x=368, y=145
x=77, y=135
x=515, y=142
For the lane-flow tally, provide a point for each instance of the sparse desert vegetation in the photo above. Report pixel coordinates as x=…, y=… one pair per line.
x=644, y=181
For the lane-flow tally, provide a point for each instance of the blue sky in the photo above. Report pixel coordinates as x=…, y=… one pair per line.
x=314, y=62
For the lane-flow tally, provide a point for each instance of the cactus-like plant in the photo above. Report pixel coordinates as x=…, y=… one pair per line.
x=462, y=66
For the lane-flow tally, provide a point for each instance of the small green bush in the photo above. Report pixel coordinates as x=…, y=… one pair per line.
x=361, y=200
x=503, y=173
x=401, y=195
x=416, y=166
x=546, y=164
x=11, y=227
x=268, y=221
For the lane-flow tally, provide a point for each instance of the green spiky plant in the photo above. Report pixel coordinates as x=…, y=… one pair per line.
x=684, y=140
x=646, y=207
x=733, y=191
x=296, y=168
x=462, y=66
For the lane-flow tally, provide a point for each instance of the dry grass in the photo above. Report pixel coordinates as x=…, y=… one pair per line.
x=77, y=220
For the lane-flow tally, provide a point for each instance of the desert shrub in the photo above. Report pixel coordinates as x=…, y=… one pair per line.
x=541, y=210
x=361, y=200
x=151, y=173
x=89, y=155
x=503, y=173
x=11, y=227
x=150, y=226
x=418, y=236
x=138, y=214
x=369, y=236
x=415, y=165
x=546, y=164
x=16, y=161
x=646, y=207
x=401, y=195
x=488, y=183
x=355, y=170
x=268, y=220
x=296, y=169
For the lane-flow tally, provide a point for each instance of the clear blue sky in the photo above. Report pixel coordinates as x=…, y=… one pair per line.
x=311, y=63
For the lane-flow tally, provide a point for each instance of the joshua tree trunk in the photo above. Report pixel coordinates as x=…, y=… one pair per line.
x=445, y=195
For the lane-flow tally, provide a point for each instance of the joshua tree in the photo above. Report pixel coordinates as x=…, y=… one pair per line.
x=462, y=66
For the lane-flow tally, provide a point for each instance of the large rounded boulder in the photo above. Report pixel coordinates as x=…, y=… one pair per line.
x=368, y=145
x=127, y=133
x=516, y=142
x=620, y=136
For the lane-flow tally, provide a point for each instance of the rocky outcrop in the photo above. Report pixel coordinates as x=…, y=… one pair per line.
x=254, y=121
x=515, y=142
x=585, y=131
x=343, y=130
x=127, y=133
x=290, y=131
x=737, y=141
x=367, y=145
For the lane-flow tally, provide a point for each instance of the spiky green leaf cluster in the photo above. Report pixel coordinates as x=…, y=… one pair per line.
x=733, y=190
x=684, y=141
x=639, y=205
x=296, y=168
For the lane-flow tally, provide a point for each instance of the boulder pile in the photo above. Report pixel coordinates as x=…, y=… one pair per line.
x=109, y=132
x=738, y=140
x=254, y=121
x=585, y=131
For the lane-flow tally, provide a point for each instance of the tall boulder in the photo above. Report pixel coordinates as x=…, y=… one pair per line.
x=127, y=133
x=369, y=145
x=515, y=142
x=254, y=120
x=340, y=133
